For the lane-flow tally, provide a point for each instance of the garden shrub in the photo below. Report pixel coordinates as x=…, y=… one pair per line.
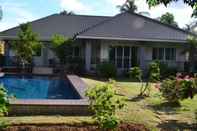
x=3, y=101
x=178, y=88
x=104, y=103
x=167, y=71
x=3, y=106
x=135, y=73
x=76, y=65
x=107, y=70
x=154, y=71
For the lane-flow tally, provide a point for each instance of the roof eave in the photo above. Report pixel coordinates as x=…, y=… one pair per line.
x=131, y=39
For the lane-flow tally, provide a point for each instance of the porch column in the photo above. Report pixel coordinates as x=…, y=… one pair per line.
x=142, y=57
x=88, y=56
x=104, y=52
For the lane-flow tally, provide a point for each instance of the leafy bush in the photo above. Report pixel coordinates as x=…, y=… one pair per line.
x=61, y=46
x=107, y=70
x=166, y=71
x=154, y=71
x=76, y=65
x=3, y=101
x=178, y=88
x=104, y=104
x=135, y=73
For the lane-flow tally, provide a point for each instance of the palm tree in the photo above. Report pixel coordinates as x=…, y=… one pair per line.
x=64, y=12
x=128, y=6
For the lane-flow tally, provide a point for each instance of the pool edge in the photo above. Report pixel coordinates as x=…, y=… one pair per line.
x=54, y=107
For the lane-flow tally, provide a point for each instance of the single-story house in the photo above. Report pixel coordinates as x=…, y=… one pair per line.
x=127, y=39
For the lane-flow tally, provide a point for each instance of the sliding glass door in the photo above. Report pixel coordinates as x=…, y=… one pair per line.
x=123, y=57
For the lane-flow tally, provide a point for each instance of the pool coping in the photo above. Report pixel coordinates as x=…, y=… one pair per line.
x=79, y=85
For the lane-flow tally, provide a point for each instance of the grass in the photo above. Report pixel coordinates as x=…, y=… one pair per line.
x=150, y=111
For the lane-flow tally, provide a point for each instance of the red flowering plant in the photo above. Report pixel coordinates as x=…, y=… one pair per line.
x=178, y=88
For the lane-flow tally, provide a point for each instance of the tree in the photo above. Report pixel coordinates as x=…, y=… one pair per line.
x=61, y=47
x=192, y=50
x=128, y=6
x=64, y=12
x=168, y=18
x=191, y=3
x=26, y=45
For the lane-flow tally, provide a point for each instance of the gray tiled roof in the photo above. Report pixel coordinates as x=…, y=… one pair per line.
x=129, y=26
x=67, y=25
x=124, y=26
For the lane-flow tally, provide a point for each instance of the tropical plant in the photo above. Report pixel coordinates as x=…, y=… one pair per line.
x=26, y=45
x=168, y=18
x=104, y=105
x=153, y=76
x=128, y=6
x=64, y=12
x=179, y=88
x=191, y=3
x=135, y=73
x=3, y=101
x=61, y=47
x=166, y=71
x=154, y=71
x=107, y=70
x=192, y=50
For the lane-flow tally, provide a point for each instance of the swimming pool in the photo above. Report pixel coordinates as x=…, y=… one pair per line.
x=38, y=87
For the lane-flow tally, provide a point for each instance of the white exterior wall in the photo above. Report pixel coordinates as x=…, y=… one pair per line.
x=88, y=56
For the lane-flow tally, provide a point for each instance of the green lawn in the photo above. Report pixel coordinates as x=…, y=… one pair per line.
x=150, y=111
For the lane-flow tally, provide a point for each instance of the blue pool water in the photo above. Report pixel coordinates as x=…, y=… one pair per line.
x=38, y=87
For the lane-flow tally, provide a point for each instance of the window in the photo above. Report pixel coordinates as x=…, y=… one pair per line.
x=170, y=54
x=158, y=53
x=119, y=56
x=112, y=55
x=123, y=56
x=164, y=54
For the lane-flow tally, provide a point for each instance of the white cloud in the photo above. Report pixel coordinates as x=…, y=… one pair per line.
x=75, y=6
x=15, y=14
x=181, y=12
x=116, y=2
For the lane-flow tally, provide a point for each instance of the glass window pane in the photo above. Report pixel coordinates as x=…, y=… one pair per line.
x=158, y=54
x=154, y=54
x=119, y=56
x=126, y=57
x=134, y=59
x=170, y=53
x=112, y=54
x=161, y=54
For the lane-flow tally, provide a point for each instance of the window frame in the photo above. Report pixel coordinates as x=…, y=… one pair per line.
x=165, y=57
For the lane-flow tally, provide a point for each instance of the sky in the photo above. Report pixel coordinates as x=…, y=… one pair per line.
x=16, y=12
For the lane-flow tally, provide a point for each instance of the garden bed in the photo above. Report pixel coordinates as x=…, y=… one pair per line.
x=122, y=127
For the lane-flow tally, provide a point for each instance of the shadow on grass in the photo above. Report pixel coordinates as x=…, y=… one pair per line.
x=136, y=98
x=174, y=125
x=166, y=107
